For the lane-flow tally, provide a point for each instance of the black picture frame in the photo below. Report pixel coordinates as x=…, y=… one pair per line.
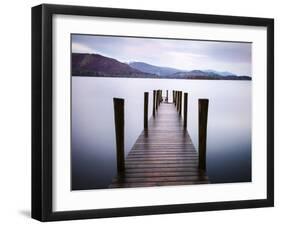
x=42, y=106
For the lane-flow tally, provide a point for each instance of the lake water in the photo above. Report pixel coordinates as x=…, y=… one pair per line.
x=93, y=136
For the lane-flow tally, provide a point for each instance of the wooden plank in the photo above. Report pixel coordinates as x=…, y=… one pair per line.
x=162, y=169
x=153, y=184
x=162, y=161
x=161, y=174
x=163, y=157
x=159, y=165
x=159, y=179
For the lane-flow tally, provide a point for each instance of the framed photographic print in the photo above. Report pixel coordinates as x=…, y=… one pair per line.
x=145, y=112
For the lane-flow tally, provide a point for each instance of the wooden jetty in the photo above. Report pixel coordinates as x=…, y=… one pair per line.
x=163, y=154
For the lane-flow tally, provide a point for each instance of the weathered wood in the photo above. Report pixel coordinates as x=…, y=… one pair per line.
x=154, y=103
x=167, y=96
x=178, y=100
x=151, y=184
x=119, y=133
x=160, y=179
x=162, y=155
x=161, y=174
x=180, y=103
x=157, y=100
x=203, y=118
x=189, y=169
x=176, y=103
x=185, y=104
x=160, y=96
x=145, y=111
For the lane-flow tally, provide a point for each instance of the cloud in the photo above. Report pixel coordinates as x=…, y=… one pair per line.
x=183, y=54
x=81, y=48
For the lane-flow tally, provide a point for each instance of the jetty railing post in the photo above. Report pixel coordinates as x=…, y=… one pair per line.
x=145, y=110
x=185, y=102
x=180, y=104
x=178, y=100
x=119, y=132
x=177, y=94
x=167, y=96
x=203, y=119
x=157, y=100
x=154, y=103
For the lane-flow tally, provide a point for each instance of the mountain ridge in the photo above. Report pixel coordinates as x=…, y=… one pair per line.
x=96, y=65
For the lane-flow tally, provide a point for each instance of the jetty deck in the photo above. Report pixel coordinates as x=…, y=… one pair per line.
x=162, y=155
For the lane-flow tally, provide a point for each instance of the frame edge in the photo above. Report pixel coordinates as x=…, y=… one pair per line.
x=36, y=156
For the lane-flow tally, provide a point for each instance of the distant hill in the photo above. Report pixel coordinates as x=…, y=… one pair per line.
x=152, y=69
x=222, y=73
x=211, y=75
x=96, y=65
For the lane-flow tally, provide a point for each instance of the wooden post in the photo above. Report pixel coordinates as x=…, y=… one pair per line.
x=145, y=111
x=177, y=105
x=154, y=103
x=203, y=119
x=157, y=100
x=185, y=102
x=180, y=105
x=175, y=98
x=167, y=96
x=119, y=132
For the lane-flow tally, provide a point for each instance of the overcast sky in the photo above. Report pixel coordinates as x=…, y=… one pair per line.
x=181, y=54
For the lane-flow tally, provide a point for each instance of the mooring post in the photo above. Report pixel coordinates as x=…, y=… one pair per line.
x=185, y=102
x=145, y=110
x=119, y=132
x=154, y=103
x=157, y=97
x=203, y=119
x=177, y=100
x=180, y=108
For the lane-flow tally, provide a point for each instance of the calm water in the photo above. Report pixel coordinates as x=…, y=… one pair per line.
x=93, y=135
